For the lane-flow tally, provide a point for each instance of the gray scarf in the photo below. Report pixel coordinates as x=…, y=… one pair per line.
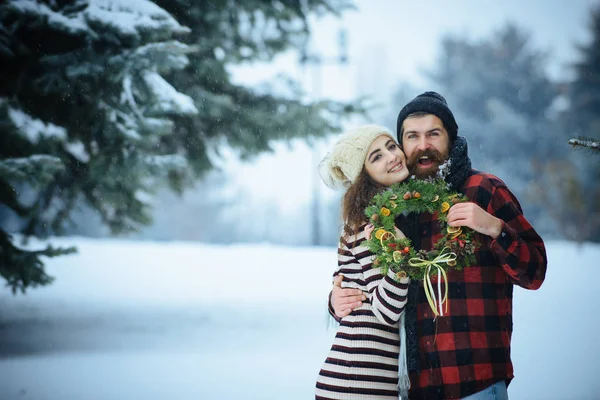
x=460, y=164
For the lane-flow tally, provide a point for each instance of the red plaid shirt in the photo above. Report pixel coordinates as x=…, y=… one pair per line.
x=468, y=349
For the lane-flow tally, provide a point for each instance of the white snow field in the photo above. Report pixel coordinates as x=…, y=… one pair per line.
x=132, y=320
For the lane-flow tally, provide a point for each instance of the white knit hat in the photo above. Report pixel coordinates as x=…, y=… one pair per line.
x=342, y=165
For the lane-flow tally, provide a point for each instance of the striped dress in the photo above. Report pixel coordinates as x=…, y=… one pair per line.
x=363, y=361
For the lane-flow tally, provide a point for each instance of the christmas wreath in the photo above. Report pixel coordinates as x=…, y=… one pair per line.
x=454, y=250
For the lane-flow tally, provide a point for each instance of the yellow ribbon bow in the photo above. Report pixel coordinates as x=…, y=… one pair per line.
x=428, y=265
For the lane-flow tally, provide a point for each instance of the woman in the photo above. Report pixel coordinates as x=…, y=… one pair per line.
x=363, y=361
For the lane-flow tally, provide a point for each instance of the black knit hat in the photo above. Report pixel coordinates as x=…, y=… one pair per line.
x=432, y=103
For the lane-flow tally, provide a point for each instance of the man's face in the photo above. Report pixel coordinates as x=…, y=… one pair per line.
x=426, y=144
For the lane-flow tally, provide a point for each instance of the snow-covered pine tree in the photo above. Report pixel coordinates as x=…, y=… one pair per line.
x=584, y=91
x=501, y=89
x=227, y=33
x=82, y=85
x=92, y=83
x=567, y=184
x=581, y=122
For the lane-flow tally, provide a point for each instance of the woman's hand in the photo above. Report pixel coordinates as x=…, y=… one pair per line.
x=368, y=230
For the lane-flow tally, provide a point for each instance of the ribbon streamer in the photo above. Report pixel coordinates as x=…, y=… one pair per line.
x=428, y=265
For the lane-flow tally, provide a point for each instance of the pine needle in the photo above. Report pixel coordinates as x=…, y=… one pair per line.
x=585, y=143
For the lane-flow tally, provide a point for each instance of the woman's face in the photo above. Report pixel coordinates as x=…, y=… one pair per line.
x=385, y=162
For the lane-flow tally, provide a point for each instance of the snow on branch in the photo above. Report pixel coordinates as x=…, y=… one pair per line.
x=169, y=55
x=586, y=143
x=163, y=56
x=165, y=163
x=38, y=169
x=77, y=150
x=131, y=17
x=74, y=25
x=167, y=100
x=127, y=18
x=34, y=129
x=158, y=126
x=125, y=124
x=144, y=197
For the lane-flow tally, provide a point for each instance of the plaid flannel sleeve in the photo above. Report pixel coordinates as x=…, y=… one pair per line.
x=519, y=248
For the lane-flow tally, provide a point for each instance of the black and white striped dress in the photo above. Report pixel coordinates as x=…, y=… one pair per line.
x=363, y=361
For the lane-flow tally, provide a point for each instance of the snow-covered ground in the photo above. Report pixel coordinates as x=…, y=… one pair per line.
x=151, y=320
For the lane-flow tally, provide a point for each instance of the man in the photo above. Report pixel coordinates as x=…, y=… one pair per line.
x=464, y=354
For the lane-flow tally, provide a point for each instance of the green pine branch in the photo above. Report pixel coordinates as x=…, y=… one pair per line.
x=36, y=169
x=22, y=268
x=585, y=143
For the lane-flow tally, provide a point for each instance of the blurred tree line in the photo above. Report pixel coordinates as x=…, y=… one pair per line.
x=104, y=103
x=519, y=123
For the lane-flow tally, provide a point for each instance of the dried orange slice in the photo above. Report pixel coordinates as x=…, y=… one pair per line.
x=453, y=229
x=386, y=236
x=445, y=206
x=397, y=255
x=436, y=198
x=455, y=235
x=379, y=234
x=401, y=274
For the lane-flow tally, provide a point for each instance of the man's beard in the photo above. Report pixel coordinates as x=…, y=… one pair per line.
x=422, y=172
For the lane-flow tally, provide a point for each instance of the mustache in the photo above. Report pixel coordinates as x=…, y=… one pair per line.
x=432, y=154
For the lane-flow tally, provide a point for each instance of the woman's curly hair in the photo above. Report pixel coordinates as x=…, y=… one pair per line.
x=356, y=199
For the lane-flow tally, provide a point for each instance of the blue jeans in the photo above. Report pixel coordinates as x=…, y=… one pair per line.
x=497, y=391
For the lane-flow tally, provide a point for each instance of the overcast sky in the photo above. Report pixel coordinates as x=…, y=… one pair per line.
x=390, y=41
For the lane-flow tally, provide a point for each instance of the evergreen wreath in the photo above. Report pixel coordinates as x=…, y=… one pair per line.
x=456, y=249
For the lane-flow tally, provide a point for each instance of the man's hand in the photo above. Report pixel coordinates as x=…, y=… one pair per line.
x=476, y=218
x=344, y=301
